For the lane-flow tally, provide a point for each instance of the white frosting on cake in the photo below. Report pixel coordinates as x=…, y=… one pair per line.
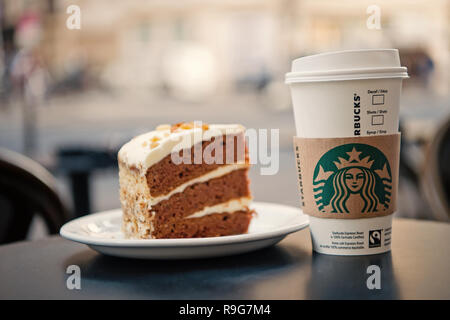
x=229, y=207
x=149, y=148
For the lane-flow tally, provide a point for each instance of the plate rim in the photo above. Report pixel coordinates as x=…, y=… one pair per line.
x=184, y=242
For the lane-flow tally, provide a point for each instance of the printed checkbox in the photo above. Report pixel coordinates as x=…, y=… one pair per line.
x=377, y=99
x=378, y=120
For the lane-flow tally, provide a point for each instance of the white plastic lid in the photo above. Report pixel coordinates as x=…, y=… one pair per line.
x=347, y=65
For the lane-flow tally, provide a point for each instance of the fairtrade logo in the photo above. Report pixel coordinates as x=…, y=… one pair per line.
x=353, y=177
x=374, y=238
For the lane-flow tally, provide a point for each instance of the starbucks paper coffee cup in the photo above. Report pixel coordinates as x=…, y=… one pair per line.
x=346, y=109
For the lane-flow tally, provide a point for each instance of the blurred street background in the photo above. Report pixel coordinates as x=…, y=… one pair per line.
x=68, y=93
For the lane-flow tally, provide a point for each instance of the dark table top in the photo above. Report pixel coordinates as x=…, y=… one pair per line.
x=417, y=268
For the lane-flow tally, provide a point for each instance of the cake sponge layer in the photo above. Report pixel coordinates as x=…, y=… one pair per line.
x=166, y=175
x=198, y=196
x=214, y=225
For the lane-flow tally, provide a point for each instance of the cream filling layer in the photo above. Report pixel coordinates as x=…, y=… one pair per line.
x=221, y=171
x=230, y=206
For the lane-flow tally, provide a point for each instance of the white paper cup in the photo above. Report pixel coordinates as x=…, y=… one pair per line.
x=324, y=88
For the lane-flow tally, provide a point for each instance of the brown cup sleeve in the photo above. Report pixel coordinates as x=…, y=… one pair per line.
x=348, y=178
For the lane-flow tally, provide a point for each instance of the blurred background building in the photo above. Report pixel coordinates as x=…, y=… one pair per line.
x=134, y=64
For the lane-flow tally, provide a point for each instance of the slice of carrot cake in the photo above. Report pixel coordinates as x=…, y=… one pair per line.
x=186, y=180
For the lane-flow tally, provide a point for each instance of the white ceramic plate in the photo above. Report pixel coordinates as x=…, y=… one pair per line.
x=101, y=231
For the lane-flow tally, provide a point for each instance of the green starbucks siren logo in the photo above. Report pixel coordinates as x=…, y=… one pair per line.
x=353, y=177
